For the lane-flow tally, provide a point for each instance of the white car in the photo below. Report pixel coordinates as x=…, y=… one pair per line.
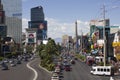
x=12, y=64
x=55, y=76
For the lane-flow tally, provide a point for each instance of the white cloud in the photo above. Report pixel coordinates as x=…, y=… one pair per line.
x=56, y=29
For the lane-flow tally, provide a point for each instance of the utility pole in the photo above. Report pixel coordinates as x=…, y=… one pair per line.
x=81, y=41
x=104, y=36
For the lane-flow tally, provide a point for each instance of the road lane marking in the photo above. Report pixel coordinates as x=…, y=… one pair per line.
x=35, y=72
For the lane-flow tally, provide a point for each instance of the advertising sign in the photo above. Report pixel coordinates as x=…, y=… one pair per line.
x=42, y=31
x=31, y=37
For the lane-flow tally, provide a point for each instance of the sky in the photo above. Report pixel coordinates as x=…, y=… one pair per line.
x=62, y=14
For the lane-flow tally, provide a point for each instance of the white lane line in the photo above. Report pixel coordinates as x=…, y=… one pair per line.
x=35, y=72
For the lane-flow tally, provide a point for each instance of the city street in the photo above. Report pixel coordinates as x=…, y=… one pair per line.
x=19, y=72
x=42, y=74
x=22, y=72
x=81, y=71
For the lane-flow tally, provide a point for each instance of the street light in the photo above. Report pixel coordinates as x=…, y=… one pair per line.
x=104, y=37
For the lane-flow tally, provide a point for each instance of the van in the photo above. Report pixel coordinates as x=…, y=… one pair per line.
x=102, y=70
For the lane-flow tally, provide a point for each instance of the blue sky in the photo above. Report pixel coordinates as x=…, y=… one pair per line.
x=61, y=14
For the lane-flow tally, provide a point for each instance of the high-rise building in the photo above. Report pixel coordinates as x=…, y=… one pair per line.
x=13, y=18
x=37, y=14
x=38, y=22
x=3, y=27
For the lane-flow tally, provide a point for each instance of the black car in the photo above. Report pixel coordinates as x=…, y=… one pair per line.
x=18, y=62
x=4, y=66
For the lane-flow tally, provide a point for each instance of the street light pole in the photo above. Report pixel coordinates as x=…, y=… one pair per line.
x=81, y=41
x=4, y=52
x=104, y=36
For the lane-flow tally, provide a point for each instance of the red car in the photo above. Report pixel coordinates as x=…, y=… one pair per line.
x=67, y=68
x=72, y=62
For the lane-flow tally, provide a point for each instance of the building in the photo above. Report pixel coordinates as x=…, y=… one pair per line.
x=3, y=30
x=3, y=27
x=94, y=23
x=67, y=42
x=38, y=22
x=13, y=18
x=37, y=14
x=84, y=44
x=114, y=29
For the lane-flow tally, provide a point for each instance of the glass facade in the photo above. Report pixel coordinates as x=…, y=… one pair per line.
x=13, y=18
x=37, y=14
x=38, y=22
x=3, y=31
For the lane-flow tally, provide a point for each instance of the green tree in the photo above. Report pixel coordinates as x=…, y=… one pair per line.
x=40, y=50
x=51, y=47
x=59, y=48
x=29, y=48
x=47, y=52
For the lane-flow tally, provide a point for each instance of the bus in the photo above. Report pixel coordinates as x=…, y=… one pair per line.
x=102, y=70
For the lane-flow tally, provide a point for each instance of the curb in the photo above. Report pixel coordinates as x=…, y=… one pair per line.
x=45, y=69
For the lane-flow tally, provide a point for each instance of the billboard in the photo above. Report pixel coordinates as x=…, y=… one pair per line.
x=42, y=31
x=31, y=37
x=116, y=45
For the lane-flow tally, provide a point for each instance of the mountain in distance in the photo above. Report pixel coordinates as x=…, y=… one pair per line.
x=58, y=40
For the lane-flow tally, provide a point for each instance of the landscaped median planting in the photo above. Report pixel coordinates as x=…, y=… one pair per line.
x=81, y=57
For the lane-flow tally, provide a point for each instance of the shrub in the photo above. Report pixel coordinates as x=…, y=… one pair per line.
x=1, y=58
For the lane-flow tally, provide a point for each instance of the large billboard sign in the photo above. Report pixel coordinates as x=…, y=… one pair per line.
x=116, y=45
x=42, y=31
x=31, y=37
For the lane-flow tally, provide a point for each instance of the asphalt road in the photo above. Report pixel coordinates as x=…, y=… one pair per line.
x=19, y=72
x=42, y=74
x=81, y=71
x=22, y=72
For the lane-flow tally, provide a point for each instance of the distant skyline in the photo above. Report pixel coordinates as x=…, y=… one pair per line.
x=62, y=14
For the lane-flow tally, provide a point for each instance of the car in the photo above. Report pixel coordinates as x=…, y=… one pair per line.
x=67, y=68
x=57, y=70
x=72, y=62
x=5, y=60
x=32, y=58
x=25, y=59
x=4, y=66
x=11, y=61
x=18, y=62
x=55, y=76
x=12, y=64
x=1, y=62
x=76, y=58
